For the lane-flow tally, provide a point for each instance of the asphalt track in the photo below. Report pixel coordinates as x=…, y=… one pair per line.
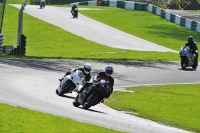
x=31, y=83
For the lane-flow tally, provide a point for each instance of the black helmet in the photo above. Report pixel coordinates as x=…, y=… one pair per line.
x=109, y=70
x=87, y=68
x=190, y=39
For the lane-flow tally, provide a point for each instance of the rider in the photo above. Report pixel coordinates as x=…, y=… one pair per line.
x=43, y=1
x=73, y=7
x=86, y=70
x=106, y=75
x=193, y=46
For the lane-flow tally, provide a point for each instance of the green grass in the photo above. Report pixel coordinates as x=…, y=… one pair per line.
x=14, y=1
x=175, y=105
x=21, y=120
x=144, y=25
x=47, y=41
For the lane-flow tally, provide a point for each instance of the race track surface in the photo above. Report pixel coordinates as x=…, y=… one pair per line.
x=31, y=83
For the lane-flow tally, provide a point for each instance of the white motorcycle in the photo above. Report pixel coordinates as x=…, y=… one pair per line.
x=71, y=83
x=187, y=58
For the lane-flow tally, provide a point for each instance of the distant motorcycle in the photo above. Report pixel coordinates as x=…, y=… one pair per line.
x=75, y=13
x=70, y=83
x=187, y=58
x=42, y=4
x=92, y=95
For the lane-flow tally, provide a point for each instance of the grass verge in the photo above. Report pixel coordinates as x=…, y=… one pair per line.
x=21, y=120
x=175, y=105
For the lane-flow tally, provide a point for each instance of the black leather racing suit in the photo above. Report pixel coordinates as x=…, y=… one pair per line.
x=193, y=48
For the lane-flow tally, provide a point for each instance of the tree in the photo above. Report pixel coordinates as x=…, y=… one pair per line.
x=181, y=4
x=161, y=3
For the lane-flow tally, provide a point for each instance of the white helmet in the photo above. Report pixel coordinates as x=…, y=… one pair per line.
x=87, y=68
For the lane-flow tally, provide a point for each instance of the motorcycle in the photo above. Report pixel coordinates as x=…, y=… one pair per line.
x=75, y=13
x=70, y=83
x=42, y=4
x=93, y=94
x=187, y=58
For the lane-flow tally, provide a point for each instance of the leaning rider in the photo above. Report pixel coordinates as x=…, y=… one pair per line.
x=86, y=70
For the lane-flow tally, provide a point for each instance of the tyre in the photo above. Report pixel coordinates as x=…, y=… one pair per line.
x=66, y=88
x=75, y=103
x=194, y=66
x=183, y=63
x=57, y=91
x=92, y=100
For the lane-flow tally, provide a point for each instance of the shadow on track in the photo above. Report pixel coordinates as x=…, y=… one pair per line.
x=65, y=64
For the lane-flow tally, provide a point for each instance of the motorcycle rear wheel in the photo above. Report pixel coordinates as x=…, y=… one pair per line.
x=194, y=66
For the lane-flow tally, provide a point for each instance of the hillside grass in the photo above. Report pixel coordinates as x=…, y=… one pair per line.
x=174, y=105
x=48, y=41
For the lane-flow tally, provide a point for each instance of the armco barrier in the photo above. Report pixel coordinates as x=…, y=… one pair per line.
x=8, y=50
x=121, y=4
x=163, y=14
x=129, y=5
x=158, y=11
x=150, y=8
x=178, y=19
x=139, y=6
x=154, y=10
x=167, y=15
x=182, y=23
x=172, y=18
x=106, y=3
x=198, y=27
x=194, y=25
x=144, y=7
x=188, y=23
x=113, y=3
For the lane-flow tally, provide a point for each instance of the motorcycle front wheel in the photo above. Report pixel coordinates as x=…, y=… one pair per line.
x=67, y=88
x=183, y=63
x=75, y=103
x=92, y=100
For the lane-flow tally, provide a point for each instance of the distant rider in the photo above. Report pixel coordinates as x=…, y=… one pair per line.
x=73, y=7
x=86, y=70
x=43, y=2
x=193, y=46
